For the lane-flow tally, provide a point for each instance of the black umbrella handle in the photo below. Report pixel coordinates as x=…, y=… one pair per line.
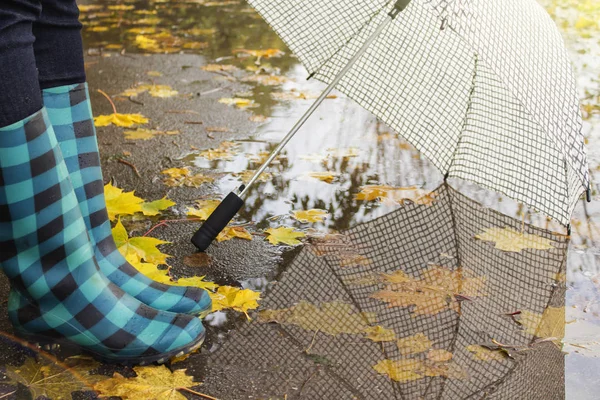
x=217, y=221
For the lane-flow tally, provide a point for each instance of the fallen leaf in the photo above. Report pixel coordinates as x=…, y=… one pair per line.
x=550, y=324
x=124, y=120
x=231, y=232
x=380, y=334
x=414, y=344
x=228, y=297
x=484, y=354
x=151, y=383
x=196, y=281
x=155, y=207
x=142, y=247
x=330, y=318
x=268, y=53
x=48, y=380
x=266, y=80
x=145, y=134
x=219, y=68
x=245, y=176
x=397, y=195
x=326, y=177
x=119, y=202
x=509, y=239
x=195, y=45
x=155, y=74
x=206, y=207
x=238, y=102
x=183, y=177
x=199, y=259
x=312, y=215
x=284, y=235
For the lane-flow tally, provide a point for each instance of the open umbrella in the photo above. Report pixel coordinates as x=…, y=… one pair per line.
x=484, y=89
x=465, y=289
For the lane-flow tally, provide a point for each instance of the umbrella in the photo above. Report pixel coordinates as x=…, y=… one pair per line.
x=484, y=89
x=326, y=357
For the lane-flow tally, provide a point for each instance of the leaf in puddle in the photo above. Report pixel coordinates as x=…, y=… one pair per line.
x=415, y=344
x=330, y=318
x=206, y=207
x=245, y=176
x=176, y=172
x=435, y=292
x=439, y=355
x=266, y=80
x=200, y=31
x=195, y=45
x=484, y=354
x=228, y=297
x=119, y=202
x=405, y=370
x=48, y=380
x=219, y=68
x=550, y=324
x=231, y=232
x=238, y=102
x=509, y=239
x=312, y=215
x=395, y=195
x=153, y=382
x=155, y=207
x=217, y=154
x=183, y=177
x=268, y=53
x=284, y=235
x=380, y=334
x=327, y=177
x=142, y=247
x=123, y=120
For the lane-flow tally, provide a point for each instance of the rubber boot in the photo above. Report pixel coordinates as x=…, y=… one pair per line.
x=58, y=294
x=70, y=112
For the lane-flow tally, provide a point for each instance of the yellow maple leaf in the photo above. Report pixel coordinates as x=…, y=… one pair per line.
x=149, y=269
x=550, y=324
x=238, y=102
x=206, y=207
x=414, y=344
x=163, y=91
x=151, y=383
x=183, y=177
x=155, y=207
x=312, y=215
x=124, y=120
x=142, y=247
x=396, y=195
x=228, y=297
x=509, y=239
x=284, y=235
x=484, y=354
x=119, y=202
x=266, y=80
x=231, y=232
x=196, y=281
x=380, y=334
x=267, y=53
x=327, y=177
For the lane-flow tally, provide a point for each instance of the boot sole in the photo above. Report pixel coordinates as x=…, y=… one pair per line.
x=53, y=344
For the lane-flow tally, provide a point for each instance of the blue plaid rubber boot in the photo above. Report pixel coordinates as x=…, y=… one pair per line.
x=70, y=112
x=58, y=294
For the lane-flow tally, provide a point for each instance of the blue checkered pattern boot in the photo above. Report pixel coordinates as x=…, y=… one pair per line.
x=70, y=112
x=57, y=292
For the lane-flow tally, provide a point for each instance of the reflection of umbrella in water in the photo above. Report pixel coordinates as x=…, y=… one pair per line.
x=316, y=354
x=484, y=89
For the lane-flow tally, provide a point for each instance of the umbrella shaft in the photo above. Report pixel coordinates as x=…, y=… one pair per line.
x=316, y=104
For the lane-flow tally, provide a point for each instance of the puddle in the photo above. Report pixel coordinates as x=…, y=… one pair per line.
x=243, y=360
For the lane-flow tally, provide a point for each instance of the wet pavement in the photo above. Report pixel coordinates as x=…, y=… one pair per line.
x=494, y=332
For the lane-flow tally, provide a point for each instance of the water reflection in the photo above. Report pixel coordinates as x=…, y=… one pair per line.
x=302, y=363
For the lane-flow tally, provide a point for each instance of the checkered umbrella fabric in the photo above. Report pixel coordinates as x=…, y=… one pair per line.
x=482, y=88
x=70, y=112
x=57, y=291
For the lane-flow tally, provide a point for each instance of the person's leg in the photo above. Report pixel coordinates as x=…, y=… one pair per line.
x=70, y=112
x=20, y=94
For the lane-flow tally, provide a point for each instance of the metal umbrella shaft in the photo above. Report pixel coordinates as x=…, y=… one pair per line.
x=229, y=207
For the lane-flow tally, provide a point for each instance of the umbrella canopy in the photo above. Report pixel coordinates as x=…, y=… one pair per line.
x=482, y=88
x=329, y=294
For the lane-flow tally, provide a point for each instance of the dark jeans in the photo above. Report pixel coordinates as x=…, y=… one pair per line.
x=40, y=47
